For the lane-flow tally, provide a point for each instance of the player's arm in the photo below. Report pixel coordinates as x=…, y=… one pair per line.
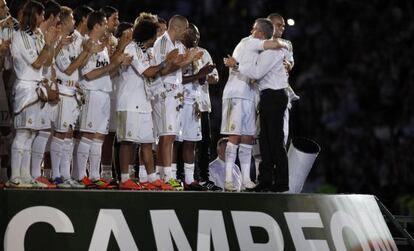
x=4, y=47
x=88, y=49
x=202, y=73
x=97, y=73
x=46, y=55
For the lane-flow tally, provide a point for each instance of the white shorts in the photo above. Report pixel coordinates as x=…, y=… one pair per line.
x=190, y=123
x=28, y=117
x=113, y=115
x=238, y=117
x=67, y=113
x=166, y=111
x=134, y=126
x=95, y=112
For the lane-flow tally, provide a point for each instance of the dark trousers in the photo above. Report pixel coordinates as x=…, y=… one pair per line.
x=203, y=149
x=272, y=108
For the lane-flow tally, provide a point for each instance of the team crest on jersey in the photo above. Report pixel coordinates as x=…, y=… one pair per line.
x=30, y=121
x=65, y=124
x=232, y=127
x=90, y=124
x=129, y=134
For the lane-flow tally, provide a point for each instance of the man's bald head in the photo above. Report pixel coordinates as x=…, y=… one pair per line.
x=178, y=26
x=178, y=20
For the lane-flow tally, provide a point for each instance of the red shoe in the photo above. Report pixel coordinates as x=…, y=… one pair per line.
x=44, y=180
x=103, y=184
x=130, y=185
x=88, y=183
x=162, y=185
x=148, y=186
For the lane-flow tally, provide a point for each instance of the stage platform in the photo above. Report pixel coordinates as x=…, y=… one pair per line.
x=145, y=220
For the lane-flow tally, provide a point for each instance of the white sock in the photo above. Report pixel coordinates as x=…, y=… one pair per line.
x=168, y=173
x=174, y=170
x=152, y=177
x=56, y=147
x=95, y=158
x=67, y=153
x=27, y=156
x=160, y=172
x=142, y=174
x=245, y=157
x=106, y=172
x=124, y=177
x=257, y=163
x=82, y=156
x=38, y=150
x=189, y=173
x=17, y=152
x=231, y=154
x=75, y=170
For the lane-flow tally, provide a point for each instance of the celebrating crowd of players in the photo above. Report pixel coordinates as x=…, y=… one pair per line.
x=75, y=80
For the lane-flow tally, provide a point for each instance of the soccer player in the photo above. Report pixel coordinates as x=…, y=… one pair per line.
x=69, y=59
x=134, y=109
x=44, y=121
x=79, y=36
x=31, y=51
x=94, y=120
x=168, y=98
x=196, y=78
x=112, y=16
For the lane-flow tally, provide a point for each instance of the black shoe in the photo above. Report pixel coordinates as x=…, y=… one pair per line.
x=210, y=186
x=279, y=189
x=194, y=186
x=262, y=187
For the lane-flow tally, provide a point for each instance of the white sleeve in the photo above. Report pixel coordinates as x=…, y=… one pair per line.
x=140, y=62
x=63, y=60
x=265, y=62
x=90, y=65
x=158, y=56
x=23, y=49
x=255, y=44
x=207, y=59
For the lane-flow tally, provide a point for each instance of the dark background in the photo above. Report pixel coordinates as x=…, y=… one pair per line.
x=353, y=71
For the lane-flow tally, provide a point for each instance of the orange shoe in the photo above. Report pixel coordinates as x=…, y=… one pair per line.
x=88, y=183
x=45, y=181
x=129, y=185
x=103, y=184
x=148, y=186
x=162, y=185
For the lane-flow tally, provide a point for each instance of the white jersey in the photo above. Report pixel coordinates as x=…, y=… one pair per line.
x=237, y=85
x=288, y=53
x=131, y=94
x=96, y=61
x=191, y=90
x=65, y=57
x=205, y=103
x=6, y=33
x=25, y=49
x=162, y=46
